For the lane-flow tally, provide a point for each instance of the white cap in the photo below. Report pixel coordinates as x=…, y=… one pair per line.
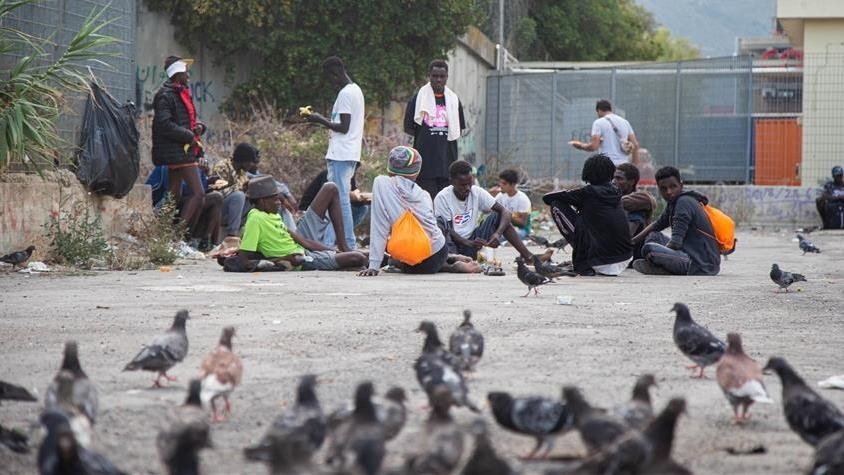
x=179, y=66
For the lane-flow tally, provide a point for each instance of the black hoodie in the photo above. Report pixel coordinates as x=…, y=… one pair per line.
x=603, y=219
x=692, y=232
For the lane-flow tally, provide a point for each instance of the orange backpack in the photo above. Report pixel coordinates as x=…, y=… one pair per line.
x=724, y=228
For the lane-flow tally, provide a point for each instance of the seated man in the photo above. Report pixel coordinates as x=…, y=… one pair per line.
x=831, y=201
x=515, y=201
x=360, y=200
x=265, y=237
x=391, y=195
x=638, y=204
x=592, y=220
x=230, y=178
x=458, y=208
x=692, y=249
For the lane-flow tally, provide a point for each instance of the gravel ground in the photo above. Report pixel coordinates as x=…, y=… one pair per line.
x=346, y=329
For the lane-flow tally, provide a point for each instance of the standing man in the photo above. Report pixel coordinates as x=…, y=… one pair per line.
x=611, y=135
x=434, y=117
x=345, y=139
x=175, y=138
x=831, y=200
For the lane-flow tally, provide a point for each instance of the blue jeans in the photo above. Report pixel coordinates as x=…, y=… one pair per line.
x=340, y=173
x=656, y=251
x=234, y=207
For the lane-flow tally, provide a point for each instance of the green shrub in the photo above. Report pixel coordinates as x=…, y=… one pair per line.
x=77, y=236
x=158, y=234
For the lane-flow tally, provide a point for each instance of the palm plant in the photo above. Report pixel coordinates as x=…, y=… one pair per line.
x=33, y=94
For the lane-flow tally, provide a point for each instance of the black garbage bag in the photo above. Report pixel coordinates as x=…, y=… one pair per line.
x=108, y=160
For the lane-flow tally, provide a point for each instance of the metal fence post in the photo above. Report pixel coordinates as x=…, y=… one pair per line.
x=677, y=95
x=553, y=156
x=750, y=168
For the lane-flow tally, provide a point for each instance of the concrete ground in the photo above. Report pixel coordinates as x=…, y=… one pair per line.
x=346, y=329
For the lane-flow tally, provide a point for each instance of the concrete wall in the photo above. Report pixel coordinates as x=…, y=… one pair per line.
x=765, y=206
x=26, y=207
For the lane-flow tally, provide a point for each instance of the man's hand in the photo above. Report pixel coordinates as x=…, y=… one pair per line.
x=576, y=144
x=477, y=242
x=317, y=117
x=369, y=272
x=493, y=240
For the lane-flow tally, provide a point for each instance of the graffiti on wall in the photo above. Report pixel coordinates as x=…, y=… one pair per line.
x=150, y=77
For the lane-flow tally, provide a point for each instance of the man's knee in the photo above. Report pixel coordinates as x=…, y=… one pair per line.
x=329, y=188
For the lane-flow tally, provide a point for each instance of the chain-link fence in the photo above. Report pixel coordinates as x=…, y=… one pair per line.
x=722, y=120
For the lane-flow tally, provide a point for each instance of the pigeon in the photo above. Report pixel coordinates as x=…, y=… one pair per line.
x=641, y=452
x=221, y=372
x=829, y=455
x=467, y=343
x=62, y=400
x=529, y=277
x=807, y=246
x=61, y=454
x=597, y=429
x=808, y=414
x=638, y=411
x=442, y=441
x=740, y=379
x=783, y=278
x=18, y=258
x=305, y=416
x=361, y=444
x=83, y=394
x=435, y=345
x=186, y=434
x=11, y=392
x=433, y=369
x=389, y=410
x=832, y=382
x=542, y=418
x=695, y=341
x=164, y=351
x=541, y=241
x=14, y=440
x=548, y=269
x=484, y=460
x=288, y=454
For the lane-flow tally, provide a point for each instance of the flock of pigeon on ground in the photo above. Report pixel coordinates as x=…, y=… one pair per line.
x=631, y=438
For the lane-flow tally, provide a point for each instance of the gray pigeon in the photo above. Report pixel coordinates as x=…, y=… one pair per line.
x=18, y=258
x=695, y=341
x=14, y=439
x=540, y=417
x=467, y=343
x=83, y=393
x=638, y=412
x=529, y=277
x=435, y=367
x=829, y=455
x=164, y=351
x=360, y=447
x=389, y=410
x=61, y=454
x=187, y=432
x=783, y=278
x=304, y=416
x=807, y=246
x=808, y=414
x=598, y=430
x=484, y=460
x=441, y=445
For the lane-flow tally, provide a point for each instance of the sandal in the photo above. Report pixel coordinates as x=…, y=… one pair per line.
x=495, y=271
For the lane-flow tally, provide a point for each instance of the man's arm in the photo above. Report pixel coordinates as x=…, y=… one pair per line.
x=658, y=225
x=308, y=244
x=341, y=127
x=592, y=146
x=502, y=223
x=410, y=126
x=634, y=155
x=683, y=215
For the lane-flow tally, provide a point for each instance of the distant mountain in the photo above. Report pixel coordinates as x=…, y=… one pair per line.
x=714, y=25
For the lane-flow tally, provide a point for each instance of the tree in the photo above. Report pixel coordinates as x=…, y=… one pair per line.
x=33, y=93
x=386, y=44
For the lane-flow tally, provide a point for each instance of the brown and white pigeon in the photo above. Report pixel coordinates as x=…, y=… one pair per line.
x=441, y=444
x=18, y=258
x=808, y=414
x=540, y=417
x=187, y=432
x=597, y=429
x=220, y=373
x=784, y=279
x=638, y=412
x=435, y=367
x=467, y=343
x=740, y=378
x=695, y=341
x=164, y=351
x=529, y=277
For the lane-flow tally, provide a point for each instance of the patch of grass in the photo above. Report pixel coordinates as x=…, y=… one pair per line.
x=76, y=234
x=157, y=234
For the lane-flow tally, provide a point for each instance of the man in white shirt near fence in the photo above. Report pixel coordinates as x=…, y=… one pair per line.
x=611, y=135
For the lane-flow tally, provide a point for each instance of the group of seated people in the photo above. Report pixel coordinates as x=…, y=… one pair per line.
x=608, y=222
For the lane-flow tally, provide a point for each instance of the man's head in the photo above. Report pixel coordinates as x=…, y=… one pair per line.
x=264, y=193
x=404, y=161
x=669, y=183
x=598, y=170
x=837, y=174
x=246, y=157
x=438, y=75
x=335, y=71
x=602, y=107
x=462, y=179
x=176, y=69
x=625, y=178
x=507, y=181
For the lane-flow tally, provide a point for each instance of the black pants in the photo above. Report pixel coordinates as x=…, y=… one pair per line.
x=483, y=231
x=431, y=265
x=433, y=185
x=571, y=226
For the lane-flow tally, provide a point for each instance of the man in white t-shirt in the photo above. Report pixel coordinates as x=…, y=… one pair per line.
x=608, y=131
x=458, y=208
x=345, y=137
x=515, y=201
